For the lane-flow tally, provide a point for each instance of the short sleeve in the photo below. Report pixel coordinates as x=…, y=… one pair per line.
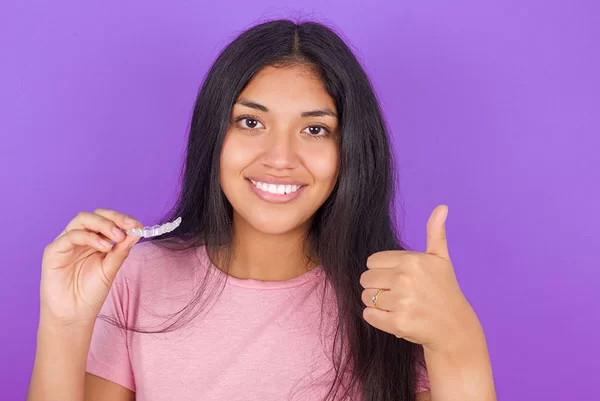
x=422, y=378
x=108, y=355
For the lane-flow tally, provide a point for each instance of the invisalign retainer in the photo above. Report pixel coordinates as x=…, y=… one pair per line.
x=154, y=231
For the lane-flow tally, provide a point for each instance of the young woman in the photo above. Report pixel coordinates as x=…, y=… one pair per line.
x=286, y=279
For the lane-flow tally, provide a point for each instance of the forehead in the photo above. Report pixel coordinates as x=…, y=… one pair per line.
x=294, y=87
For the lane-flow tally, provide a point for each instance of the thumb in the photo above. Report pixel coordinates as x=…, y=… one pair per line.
x=436, y=233
x=115, y=258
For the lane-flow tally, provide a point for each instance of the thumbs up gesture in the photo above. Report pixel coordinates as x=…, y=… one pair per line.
x=421, y=300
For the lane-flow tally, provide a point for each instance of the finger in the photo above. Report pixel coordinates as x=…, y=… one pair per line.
x=383, y=299
x=66, y=243
x=106, y=222
x=381, y=320
x=437, y=243
x=114, y=260
x=389, y=259
x=124, y=222
x=60, y=235
x=378, y=278
x=384, y=259
x=121, y=219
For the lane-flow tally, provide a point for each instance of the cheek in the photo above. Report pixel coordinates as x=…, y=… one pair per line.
x=235, y=156
x=323, y=163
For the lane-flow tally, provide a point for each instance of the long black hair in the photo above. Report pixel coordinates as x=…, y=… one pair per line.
x=358, y=218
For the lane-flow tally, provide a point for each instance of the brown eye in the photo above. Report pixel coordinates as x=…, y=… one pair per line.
x=250, y=123
x=317, y=131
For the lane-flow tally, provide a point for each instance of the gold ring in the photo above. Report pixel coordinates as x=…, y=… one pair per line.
x=375, y=297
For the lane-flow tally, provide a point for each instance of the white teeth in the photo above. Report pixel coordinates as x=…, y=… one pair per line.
x=276, y=189
x=156, y=230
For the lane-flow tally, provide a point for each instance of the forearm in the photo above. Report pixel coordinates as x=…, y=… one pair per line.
x=60, y=362
x=464, y=374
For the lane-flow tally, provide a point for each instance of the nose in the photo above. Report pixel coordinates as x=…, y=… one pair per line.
x=280, y=151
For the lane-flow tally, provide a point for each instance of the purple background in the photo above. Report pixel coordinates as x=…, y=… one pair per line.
x=494, y=110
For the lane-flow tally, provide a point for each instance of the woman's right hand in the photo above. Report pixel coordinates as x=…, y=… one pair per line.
x=78, y=270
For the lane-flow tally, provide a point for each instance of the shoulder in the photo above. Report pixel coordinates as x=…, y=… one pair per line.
x=150, y=260
x=152, y=269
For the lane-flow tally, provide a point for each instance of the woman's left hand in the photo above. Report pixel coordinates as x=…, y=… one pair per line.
x=422, y=301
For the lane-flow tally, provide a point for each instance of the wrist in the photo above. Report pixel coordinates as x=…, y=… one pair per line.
x=57, y=329
x=467, y=340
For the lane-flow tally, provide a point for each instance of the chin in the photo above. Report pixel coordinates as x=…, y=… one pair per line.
x=274, y=223
x=275, y=227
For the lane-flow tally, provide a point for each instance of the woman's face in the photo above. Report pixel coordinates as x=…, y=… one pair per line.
x=269, y=140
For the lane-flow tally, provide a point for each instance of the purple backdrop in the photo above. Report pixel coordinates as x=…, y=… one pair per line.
x=494, y=111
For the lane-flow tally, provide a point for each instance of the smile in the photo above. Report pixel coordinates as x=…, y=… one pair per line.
x=273, y=193
x=276, y=189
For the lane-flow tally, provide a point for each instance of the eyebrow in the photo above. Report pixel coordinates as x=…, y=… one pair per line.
x=313, y=113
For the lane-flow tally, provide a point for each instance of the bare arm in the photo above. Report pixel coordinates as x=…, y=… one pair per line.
x=59, y=369
x=99, y=389
x=60, y=361
x=78, y=269
x=465, y=374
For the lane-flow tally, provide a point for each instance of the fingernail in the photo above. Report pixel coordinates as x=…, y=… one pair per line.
x=117, y=233
x=129, y=220
x=104, y=243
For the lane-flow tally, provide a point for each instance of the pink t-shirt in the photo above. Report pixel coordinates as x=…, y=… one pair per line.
x=261, y=340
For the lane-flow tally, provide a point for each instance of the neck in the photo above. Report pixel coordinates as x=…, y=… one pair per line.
x=268, y=257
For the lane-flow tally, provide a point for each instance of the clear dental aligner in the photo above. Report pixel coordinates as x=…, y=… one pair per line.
x=154, y=231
